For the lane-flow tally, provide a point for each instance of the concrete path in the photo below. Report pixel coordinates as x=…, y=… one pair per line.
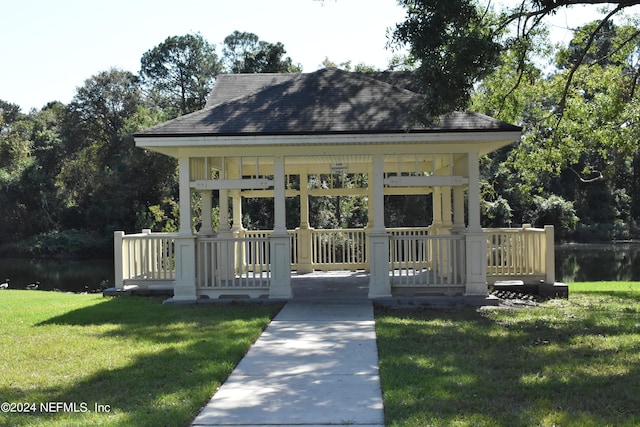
x=316, y=364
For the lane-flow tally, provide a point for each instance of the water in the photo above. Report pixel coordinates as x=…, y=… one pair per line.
x=574, y=263
x=65, y=275
x=598, y=262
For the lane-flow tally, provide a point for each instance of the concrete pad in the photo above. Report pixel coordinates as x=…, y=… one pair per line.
x=319, y=310
x=296, y=400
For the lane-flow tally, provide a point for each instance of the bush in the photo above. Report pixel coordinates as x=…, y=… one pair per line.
x=497, y=213
x=555, y=210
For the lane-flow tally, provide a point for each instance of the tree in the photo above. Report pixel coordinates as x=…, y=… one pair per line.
x=14, y=147
x=29, y=158
x=97, y=181
x=458, y=42
x=456, y=46
x=246, y=53
x=178, y=74
x=358, y=68
x=584, y=151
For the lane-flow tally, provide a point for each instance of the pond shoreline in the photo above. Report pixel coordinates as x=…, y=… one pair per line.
x=590, y=262
x=575, y=262
x=62, y=274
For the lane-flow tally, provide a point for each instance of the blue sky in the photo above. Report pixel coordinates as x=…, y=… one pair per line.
x=50, y=47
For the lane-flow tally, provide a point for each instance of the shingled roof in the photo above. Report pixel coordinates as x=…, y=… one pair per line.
x=328, y=101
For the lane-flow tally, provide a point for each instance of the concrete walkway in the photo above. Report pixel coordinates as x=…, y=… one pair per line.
x=316, y=364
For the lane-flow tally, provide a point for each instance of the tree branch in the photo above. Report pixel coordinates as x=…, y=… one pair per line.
x=589, y=180
x=576, y=65
x=629, y=39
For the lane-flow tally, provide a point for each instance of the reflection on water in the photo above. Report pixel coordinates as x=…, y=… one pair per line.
x=596, y=262
x=65, y=275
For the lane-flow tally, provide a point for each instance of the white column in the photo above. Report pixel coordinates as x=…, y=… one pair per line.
x=185, y=197
x=207, y=223
x=379, y=284
x=234, y=171
x=476, y=240
x=227, y=256
x=376, y=181
x=305, y=263
x=280, y=243
x=224, y=211
x=304, y=199
x=279, y=197
x=118, y=237
x=185, y=244
x=236, y=207
x=436, y=196
x=550, y=258
x=237, y=230
x=458, y=210
x=474, y=192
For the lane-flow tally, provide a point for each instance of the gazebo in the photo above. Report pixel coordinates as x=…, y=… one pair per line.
x=269, y=135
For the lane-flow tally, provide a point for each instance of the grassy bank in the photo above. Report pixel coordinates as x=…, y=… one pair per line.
x=147, y=364
x=572, y=362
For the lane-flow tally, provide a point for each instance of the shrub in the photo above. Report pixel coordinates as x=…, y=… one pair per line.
x=554, y=210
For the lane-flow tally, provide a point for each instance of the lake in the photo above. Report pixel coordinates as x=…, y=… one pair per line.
x=598, y=262
x=66, y=275
x=574, y=263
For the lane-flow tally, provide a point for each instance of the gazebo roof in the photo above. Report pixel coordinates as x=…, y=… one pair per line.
x=328, y=101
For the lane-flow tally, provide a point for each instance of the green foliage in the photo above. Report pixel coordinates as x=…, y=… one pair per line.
x=245, y=53
x=163, y=217
x=102, y=181
x=69, y=243
x=359, y=68
x=178, y=74
x=554, y=210
x=454, y=47
x=497, y=213
x=579, y=142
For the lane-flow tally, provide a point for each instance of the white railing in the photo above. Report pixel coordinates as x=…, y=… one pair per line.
x=233, y=263
x=422, y=260
x=295, y=240
x=416, y=257
x=339, y=249
x=520, y=253
x=265, y=234
x=144, y=257
x=409, y=231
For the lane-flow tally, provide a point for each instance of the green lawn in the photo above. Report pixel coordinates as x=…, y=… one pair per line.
x=146, y=363
x=572, y=362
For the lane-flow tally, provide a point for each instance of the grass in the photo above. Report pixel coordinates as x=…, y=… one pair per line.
x=148, y=364
x=566, y=362
x=572, y=362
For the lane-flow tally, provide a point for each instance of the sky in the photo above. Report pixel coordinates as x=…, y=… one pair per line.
x=50, y=47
